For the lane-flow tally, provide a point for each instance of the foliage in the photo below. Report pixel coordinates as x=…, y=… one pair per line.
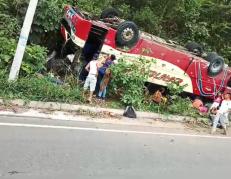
x=177, y=104
x=7, y=50
x=46, y=23
x=217, y=16
x=94, y=7
x=10, y=28
x=204, y=21
x=34, y=57
x=147, y=20
x=175, y=88
x=38, y=89
x=182, y=106
x=128, y=81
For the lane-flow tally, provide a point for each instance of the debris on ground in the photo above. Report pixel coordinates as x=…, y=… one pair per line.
x=194, y=123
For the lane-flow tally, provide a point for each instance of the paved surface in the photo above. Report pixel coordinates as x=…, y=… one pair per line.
x=37, y=149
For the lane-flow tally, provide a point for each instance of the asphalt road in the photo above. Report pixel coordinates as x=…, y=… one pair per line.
x=37, y=149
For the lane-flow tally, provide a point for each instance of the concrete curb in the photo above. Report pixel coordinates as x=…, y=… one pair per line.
x=72, y=108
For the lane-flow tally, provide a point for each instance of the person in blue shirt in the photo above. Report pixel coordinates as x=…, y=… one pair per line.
x=104, y=77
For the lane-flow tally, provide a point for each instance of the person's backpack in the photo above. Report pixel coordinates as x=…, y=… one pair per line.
x=130, y=112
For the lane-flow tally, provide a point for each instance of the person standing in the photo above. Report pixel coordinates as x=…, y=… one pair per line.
x=222, y=114
x=104, y=83
x=108, y=62
x=215, y=106
x=92, y=68
x=217, y=102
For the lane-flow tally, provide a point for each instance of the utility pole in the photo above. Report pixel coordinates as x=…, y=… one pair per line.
x=23, y=40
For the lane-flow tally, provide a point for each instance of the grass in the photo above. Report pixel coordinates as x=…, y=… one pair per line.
x=37, y=88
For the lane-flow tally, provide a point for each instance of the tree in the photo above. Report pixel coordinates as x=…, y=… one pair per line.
x=217, y=16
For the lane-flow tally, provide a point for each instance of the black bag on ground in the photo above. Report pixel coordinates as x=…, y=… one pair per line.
x=129, y=112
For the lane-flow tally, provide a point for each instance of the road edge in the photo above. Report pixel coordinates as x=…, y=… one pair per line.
x=55, y=106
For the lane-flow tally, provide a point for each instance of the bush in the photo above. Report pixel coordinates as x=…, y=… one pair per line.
x=7, y=51
x=182, y=106
x=38, y=89
x=9, y=25
x=177, y=104
x=175, y=89
x=128, y=81
x=33, y=61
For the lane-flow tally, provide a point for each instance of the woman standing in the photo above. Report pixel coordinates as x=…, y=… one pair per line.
x=104, y=83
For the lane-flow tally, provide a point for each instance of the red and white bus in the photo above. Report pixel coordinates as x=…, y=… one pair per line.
x=109, y=34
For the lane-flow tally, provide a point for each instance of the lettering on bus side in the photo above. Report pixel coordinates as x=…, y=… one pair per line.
x=164, y=77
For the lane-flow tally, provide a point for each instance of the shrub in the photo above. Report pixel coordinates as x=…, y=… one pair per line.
x=7, y=50
x=11, y=17
x=182, y=106
x=9, y=25
x=175, y=88
x=33, y=61
x=177, y=104
x=128, y=81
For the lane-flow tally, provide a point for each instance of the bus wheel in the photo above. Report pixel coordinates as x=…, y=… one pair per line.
x=195, y=48
x=216, y=66
x=127, y=34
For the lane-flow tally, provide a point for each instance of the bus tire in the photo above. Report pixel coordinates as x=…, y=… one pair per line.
x=216, y=66
x=127, y=34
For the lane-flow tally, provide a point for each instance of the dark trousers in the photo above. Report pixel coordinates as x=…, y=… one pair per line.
x=99, y=79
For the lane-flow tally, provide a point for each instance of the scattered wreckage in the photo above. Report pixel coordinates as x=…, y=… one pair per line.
x=84, y=35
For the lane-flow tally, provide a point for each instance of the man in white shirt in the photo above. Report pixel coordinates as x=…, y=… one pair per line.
x=222, y=114
x=92, y=68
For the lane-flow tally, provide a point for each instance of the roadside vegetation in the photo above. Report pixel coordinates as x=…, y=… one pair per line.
x=128, y=85
x=39, y=88
x=204, y=21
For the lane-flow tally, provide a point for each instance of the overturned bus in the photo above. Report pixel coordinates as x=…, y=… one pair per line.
x=203, y=75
